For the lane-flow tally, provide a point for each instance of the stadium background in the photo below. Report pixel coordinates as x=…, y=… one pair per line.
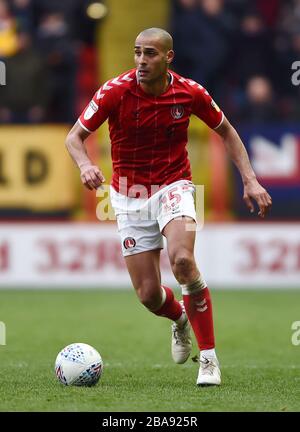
x=56, y=54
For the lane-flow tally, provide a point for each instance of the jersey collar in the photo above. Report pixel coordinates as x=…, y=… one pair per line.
x=171, y=80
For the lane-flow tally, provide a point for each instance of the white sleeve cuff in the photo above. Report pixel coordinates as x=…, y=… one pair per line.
x=83, y=127
x=220, y=122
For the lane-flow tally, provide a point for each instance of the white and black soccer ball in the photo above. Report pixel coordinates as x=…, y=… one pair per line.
x=78, y=364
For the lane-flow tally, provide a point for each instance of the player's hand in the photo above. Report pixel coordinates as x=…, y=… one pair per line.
x=253, y=190
x=91, y=176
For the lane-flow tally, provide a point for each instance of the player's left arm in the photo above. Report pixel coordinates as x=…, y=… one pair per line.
x=237, y=152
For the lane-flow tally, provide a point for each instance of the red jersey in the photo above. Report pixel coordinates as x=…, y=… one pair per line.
x=149, y=133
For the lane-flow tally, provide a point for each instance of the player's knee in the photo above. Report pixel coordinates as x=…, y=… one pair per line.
x=182, y=264
x=149, y=295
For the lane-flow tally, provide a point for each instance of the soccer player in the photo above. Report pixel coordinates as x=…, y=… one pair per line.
x=148, y=110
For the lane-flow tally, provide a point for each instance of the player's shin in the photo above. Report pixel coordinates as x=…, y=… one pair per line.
x=181, y=343
x=198, y=306
x=170, y=307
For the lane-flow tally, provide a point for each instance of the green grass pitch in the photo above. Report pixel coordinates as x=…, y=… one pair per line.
x=260, y=365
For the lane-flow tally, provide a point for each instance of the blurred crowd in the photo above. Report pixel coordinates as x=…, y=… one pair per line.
x=242, y=51
x=41, y=44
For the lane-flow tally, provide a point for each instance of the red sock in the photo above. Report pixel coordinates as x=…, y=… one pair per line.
x=171, y=307
x=198, y=307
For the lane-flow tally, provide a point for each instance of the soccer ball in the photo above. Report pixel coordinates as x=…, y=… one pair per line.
x=78, y=364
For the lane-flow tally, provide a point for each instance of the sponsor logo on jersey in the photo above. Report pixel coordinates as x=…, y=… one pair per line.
x=215, y=106
x=177, y=111
x=91, y=110
x=129, y=243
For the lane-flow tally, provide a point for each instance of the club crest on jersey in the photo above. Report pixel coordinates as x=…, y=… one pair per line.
x=177, y=111
x=91, y=110
x=129, y=243
x=215, y=106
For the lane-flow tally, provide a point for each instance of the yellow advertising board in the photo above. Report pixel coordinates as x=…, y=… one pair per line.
x=36, y=171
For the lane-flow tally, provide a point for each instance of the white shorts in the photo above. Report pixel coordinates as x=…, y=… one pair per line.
x=141, y=221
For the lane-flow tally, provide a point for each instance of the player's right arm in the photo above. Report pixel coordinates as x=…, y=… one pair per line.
x=91, y=176
x=96, y=112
